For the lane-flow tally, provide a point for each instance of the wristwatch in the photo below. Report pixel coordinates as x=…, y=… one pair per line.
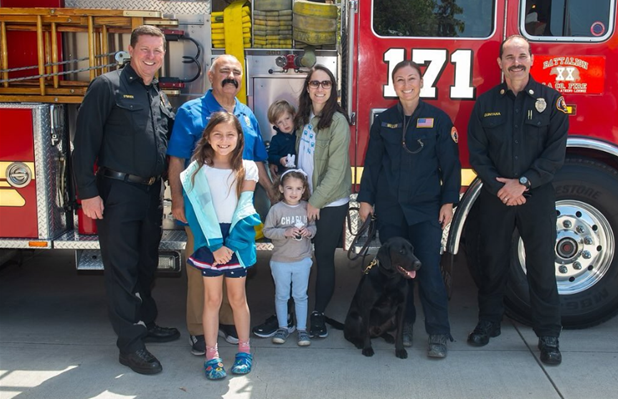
x=524, y=181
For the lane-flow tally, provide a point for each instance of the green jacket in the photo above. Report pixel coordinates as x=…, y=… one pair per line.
x=332, y=175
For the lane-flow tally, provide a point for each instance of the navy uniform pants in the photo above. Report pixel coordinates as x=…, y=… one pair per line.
x=129, y=234
x=536, y=223
x=425, y=237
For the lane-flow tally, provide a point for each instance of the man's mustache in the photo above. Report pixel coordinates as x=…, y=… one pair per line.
x=232, y=81
x=517, y=67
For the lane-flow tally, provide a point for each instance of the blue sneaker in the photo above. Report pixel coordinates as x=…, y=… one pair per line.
x=242, y=363
x=214, y=369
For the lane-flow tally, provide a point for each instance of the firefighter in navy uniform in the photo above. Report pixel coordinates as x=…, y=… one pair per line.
x=412, y=180
x=122, y=126
x=517, y=141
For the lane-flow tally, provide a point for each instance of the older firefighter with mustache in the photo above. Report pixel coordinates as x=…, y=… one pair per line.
x=517, y=140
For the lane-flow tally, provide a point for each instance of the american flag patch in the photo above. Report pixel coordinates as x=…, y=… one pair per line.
x=424, y=122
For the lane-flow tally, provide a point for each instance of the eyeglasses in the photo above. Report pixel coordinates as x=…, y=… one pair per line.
x=326, y=84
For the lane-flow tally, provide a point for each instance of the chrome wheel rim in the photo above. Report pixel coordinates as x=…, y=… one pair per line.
x=584, y=247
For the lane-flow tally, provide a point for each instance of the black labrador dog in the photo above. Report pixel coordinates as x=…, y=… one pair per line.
x=378, y=306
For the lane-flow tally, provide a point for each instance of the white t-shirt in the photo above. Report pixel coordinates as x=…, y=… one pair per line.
x=222, y=184
x=306, y=149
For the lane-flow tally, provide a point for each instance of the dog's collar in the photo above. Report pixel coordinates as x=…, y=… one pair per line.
x=373, y=263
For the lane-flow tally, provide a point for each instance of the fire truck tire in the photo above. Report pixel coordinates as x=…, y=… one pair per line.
x=315, y=9
x=586, y=263
x=315, y=24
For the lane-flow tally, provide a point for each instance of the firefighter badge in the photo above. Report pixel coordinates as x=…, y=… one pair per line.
x=540, y=105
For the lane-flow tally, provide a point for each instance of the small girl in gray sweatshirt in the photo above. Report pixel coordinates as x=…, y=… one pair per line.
x=290, y=232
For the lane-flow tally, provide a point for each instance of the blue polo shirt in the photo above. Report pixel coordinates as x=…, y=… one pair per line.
x=192, y=118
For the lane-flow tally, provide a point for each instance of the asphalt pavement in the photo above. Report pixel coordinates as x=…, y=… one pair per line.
x=56, y=342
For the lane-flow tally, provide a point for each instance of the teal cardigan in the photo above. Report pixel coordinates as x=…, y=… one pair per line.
x=204, y=224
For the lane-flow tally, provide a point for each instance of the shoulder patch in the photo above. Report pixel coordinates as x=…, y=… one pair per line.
x=454, y=135
x=561, y=105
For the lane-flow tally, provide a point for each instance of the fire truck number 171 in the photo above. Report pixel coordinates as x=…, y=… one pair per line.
x=435, y=60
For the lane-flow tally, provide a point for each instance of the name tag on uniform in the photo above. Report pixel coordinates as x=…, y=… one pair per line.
x=391, y=125
x=424, y=122
x=127, y=96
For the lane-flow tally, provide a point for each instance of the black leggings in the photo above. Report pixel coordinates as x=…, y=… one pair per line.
x=329, y=231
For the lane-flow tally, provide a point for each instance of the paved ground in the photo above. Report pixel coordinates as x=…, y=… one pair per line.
x=56, y=342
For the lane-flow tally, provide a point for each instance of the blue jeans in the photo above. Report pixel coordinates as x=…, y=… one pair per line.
x=296, y=275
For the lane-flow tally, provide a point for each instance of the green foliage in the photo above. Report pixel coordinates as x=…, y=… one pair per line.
x=417, y=18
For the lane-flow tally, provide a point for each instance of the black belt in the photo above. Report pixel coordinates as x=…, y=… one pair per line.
x=149, y=181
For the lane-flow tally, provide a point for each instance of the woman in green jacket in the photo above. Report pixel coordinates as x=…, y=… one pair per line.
x=322, y=145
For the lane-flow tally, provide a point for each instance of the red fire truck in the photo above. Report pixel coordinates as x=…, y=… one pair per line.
x=575, y=46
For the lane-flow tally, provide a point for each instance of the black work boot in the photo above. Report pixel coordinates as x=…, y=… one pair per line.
x=550, y=350
x=161, y=334
x=141, y=361
x=482, y=332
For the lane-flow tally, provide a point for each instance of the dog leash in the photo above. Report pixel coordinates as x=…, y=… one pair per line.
x=368, y=229
x=373, y=263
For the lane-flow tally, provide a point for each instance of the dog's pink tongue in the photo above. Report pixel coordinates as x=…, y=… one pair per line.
x=412, y=274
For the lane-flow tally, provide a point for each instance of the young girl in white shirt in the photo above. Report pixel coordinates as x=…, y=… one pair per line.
x=218, y=190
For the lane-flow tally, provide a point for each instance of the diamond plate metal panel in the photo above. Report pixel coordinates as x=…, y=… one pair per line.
x=72, y=240
x=23, y=243
x=171, y=240
x=89, y=259
x=167, y=7
x=49, y=165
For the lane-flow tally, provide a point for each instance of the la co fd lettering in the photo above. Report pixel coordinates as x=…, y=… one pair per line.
x=435, y=60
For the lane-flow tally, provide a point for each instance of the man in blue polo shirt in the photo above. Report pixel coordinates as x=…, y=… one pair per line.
x=225, y=76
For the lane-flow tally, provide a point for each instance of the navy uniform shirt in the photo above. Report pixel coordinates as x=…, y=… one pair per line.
x=513, y=136
x=122, y=125
x=420, y=183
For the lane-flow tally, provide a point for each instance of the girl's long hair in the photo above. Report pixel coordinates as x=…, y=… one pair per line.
x=305, y=106
x=204, y=153
x=281, y=181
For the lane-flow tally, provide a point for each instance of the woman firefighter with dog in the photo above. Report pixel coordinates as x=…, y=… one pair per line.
x=412, y=178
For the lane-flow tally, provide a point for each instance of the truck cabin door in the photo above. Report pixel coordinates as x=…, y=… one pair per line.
x=456, y=44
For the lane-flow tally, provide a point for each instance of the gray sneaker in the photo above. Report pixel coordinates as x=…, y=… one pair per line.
x=303, y=338
x=281, y=335
x=408, y=331
x=437, y=346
